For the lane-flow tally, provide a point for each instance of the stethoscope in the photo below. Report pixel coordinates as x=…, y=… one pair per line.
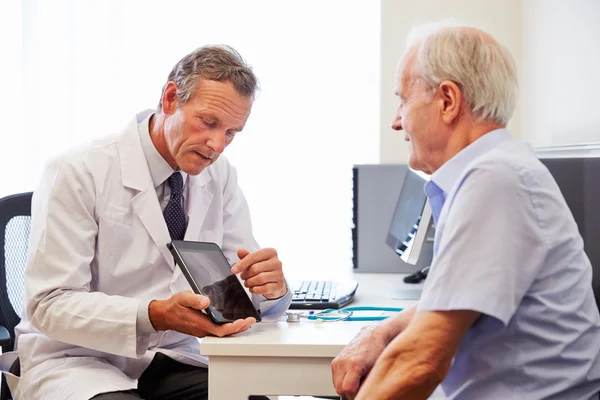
x=343, y=314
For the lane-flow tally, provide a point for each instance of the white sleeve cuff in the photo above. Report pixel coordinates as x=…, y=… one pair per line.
x=272, y=310
x=143, y=324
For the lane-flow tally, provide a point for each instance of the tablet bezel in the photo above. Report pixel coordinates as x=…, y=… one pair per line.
x=176, y=247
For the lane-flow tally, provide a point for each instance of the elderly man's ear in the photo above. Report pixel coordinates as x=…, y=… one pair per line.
x=450, y=98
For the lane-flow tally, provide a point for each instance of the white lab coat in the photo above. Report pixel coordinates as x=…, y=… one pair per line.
x=97, y=249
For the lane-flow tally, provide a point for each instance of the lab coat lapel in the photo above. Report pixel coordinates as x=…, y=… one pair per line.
x=148, y=210
x=136, y=175
x=198, y=203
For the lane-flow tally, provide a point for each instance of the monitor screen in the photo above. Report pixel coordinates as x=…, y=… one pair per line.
x=411, y=219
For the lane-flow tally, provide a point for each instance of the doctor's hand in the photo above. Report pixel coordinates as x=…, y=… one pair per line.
x=355, y=361
x=261, y=272
x=182, y=313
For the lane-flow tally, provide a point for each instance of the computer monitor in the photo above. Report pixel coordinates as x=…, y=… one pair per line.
x=410, y=223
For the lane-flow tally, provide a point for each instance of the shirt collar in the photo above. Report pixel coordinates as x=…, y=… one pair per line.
x=447, y=175
x=160, y=170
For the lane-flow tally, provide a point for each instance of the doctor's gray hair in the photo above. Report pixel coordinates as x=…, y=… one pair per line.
x=216, y=63
x=482, y=68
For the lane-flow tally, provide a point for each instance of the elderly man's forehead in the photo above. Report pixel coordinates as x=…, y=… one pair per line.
x=405, y=70
x=408, y=58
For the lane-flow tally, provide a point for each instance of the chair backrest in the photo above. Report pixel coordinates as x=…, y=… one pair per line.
x=15, y=226
x=579, y=181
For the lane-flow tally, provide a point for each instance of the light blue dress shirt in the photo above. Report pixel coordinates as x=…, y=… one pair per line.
x=507, y=246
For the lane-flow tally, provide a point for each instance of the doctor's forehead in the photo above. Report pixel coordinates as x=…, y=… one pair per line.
x=221, y=97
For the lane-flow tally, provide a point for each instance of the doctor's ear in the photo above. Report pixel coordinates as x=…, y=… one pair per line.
x=169, y=98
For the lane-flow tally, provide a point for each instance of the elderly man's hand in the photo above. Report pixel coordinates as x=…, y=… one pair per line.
x=261, y=272
x=355, y=361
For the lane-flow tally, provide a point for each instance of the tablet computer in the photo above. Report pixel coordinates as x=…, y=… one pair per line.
x=208, y=272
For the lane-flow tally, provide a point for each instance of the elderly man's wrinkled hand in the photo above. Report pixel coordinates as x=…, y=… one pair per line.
x=355, y=361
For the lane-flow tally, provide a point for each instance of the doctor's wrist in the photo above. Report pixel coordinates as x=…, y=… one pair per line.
x=156, y=312
x=277, y=295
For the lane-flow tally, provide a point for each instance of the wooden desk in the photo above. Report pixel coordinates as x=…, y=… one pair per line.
x=284, y=358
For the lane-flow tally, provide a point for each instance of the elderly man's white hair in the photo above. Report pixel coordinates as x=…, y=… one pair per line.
x=471, y=58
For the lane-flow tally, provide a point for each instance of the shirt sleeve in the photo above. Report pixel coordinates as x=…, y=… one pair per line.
x=272, y=310
x=490, y=246
x=58, y=275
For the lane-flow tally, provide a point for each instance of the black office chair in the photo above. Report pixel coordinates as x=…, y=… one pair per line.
x=15, y=226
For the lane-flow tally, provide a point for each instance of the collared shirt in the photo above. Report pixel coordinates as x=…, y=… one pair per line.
x=507, y=246
x=160, y=170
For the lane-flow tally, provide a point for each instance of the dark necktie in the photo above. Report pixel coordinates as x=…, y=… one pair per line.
x=173, y=213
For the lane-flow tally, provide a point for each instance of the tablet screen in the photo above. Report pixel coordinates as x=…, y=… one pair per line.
x=209, y=274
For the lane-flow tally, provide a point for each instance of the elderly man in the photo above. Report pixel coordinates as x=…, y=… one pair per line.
x=508, y=310
x=108, y=315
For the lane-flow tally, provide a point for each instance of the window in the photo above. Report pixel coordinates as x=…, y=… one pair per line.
x=87, y=67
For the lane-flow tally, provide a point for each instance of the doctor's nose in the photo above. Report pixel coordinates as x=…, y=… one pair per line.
x=216, y=142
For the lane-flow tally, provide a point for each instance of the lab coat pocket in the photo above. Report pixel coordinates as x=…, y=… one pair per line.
x=114, y=236
x=80, y=377
x=30, y=383
x=117, y=214
x=115, y=228
x=212, y=235
x=116, y=249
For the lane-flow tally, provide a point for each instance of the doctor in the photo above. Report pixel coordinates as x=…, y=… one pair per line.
x=108, y=315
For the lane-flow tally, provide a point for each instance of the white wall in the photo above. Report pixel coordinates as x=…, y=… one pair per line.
x=78, y=70
x=561, y=60
x=12, y=142
x=501, y=18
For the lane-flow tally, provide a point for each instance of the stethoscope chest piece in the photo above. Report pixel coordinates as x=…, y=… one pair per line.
x=292, y=317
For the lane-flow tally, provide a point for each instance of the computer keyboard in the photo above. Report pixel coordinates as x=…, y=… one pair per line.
x=321, y=294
